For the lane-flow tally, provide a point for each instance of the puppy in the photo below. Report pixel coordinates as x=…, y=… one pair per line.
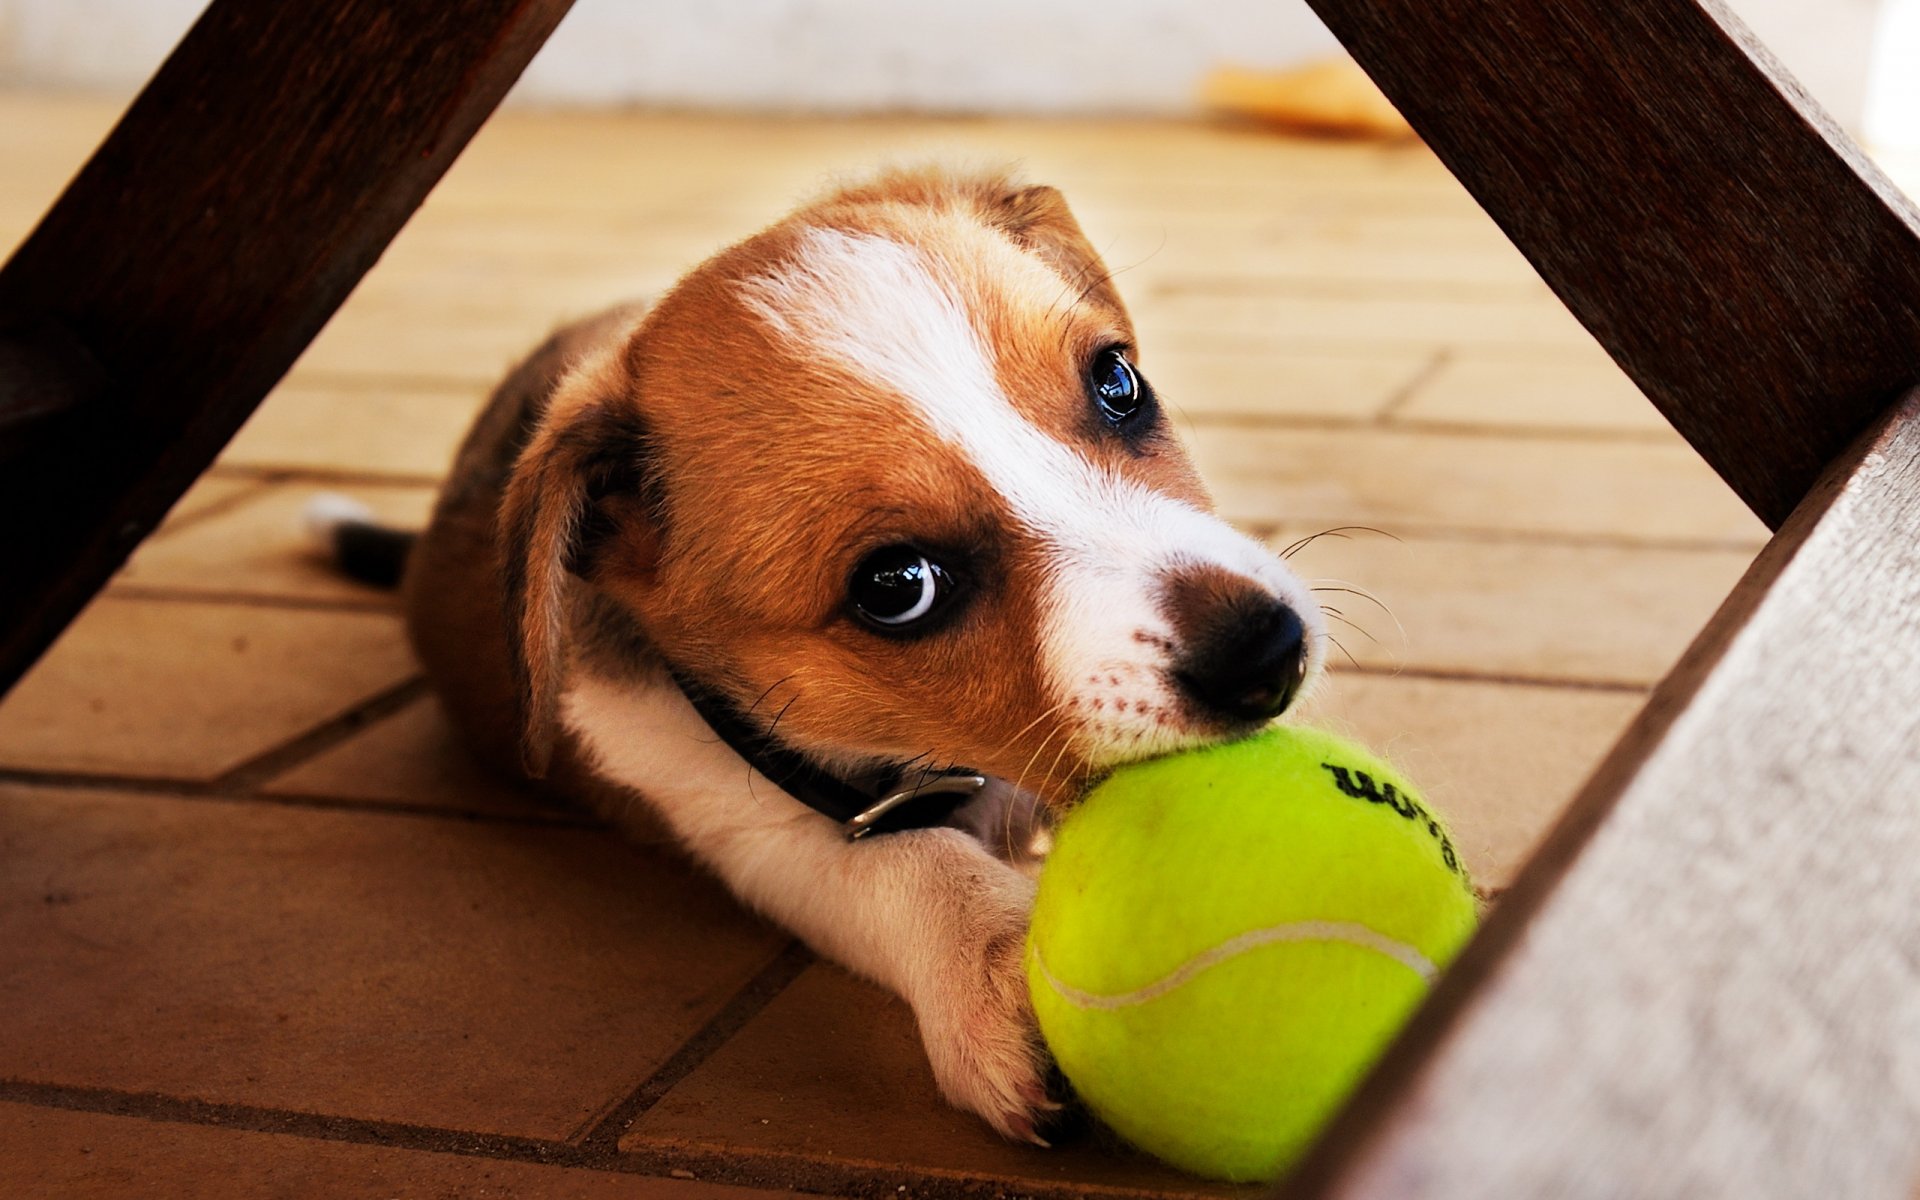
x=872, y=521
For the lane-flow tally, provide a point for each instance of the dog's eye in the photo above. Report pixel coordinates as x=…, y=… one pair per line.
x=897, y=586
x=1117, y=388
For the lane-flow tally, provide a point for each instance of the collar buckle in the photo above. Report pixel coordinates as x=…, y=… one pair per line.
x=960, y=783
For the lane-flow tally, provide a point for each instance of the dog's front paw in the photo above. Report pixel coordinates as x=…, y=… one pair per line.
x=978, y=1025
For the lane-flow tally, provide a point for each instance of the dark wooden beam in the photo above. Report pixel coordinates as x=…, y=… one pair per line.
x=244, y=194
x=1708, y=981
x=1733, y=251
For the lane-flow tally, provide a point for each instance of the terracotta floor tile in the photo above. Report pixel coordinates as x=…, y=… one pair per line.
x=53, y=1154
x=635, y=262
x=1501, y=760
x=1318, y=254
x=629, y=249
x=1357, y=316
x=1255, y=382
x=505, y=979
x=44, y=140
x=412, y=757
x=373, y=426
x=183, y=690
x=1599, y=614
x=1584, y=393
x=832, y=1070
x=259, y=547
x=1406, y=482
x=473, y=348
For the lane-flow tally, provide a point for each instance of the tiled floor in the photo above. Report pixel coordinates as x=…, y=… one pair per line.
x=264, y=930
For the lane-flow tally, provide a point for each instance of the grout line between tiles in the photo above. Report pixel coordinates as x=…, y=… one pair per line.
x=374, y=381
x=1405, y=393
x=1173, y=288
x=188, y=789
x=1381, y=422
x=1411, y=531
x=1501, y=679
x=603, y=1130
x=175, y=1110
x=333, y=475
x=386, y=603
x=785, y=1171
x=1576, y=433
x=323, y=737
x=218, y=508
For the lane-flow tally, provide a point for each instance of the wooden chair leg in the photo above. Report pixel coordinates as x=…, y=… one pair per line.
x=244, y=194
x=1733, y=251
x=1707, y=982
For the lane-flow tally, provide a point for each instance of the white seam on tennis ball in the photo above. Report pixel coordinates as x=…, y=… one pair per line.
x=1297, y=931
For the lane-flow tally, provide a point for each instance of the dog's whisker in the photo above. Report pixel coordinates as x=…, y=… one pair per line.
x=1347, y=586
x=782, y=714
x=1021, y=782
x=761, y=698
x=1338, y=646
x=1353, y=625
x=925, y=758
x=1350, y=588
x=1080, y=273
x=1053, y=708
x=770, y=728
x=1106, y=276
x=1010, y=818
x=1047, y=781
x=1339, y=531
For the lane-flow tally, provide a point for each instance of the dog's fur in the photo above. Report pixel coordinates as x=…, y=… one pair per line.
x=902, y=363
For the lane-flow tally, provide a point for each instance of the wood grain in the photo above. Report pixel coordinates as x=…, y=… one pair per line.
x=251, y=185
x=1733, y=251
x=44, y=371
x=1708, y=982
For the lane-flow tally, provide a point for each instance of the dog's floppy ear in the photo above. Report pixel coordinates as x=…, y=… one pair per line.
x=1038, y=219
x=582, y=501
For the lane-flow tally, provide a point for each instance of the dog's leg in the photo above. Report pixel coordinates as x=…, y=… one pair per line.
x=928, y=913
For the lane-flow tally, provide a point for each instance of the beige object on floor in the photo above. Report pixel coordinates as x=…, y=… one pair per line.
x=1333, y=98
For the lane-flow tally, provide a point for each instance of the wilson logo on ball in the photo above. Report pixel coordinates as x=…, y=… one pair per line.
x=1361, y=786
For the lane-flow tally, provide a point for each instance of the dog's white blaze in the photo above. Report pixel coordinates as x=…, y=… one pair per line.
x=880, y=309
x=1350, y=933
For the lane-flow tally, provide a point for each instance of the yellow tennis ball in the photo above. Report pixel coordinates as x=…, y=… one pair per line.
x=1225, y=940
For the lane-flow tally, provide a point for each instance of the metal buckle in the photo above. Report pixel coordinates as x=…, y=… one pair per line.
x=964, y=783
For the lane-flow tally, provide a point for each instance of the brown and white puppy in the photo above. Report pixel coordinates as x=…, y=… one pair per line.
x=885, y=476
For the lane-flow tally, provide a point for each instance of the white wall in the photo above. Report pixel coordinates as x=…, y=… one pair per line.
x=1140, y=56
x=1827, y=44
x=1134, y=56
x=852, y=55
x=110, y=45
x=1893, y=96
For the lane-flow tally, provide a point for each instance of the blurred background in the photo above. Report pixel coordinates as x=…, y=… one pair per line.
x=1859, y=58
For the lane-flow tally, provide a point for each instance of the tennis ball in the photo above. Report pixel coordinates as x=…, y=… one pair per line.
x=1225, y=940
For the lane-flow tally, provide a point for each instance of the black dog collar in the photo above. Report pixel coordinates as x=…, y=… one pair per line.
x=903, y=800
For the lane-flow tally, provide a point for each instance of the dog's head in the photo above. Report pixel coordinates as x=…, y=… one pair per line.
x=891, y=473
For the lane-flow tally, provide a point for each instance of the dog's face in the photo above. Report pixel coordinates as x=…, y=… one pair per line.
x=891, y=473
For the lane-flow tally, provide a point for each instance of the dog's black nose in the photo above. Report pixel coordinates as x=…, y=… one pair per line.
x=1247, y=660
